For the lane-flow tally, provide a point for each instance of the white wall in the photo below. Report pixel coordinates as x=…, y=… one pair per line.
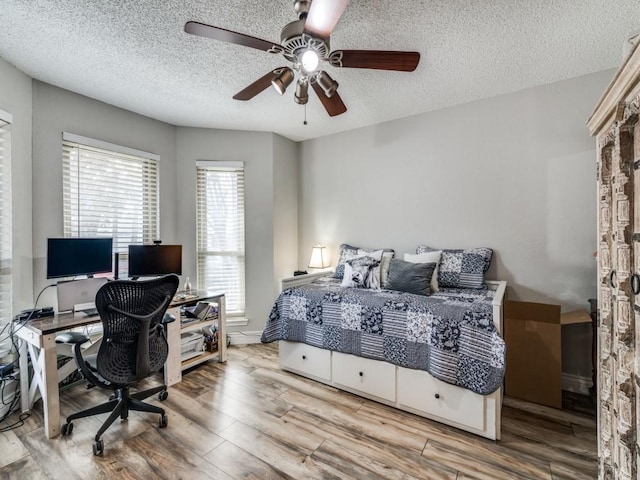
x=55, y=111
x=15, y=98
x=285, y=209
x=515, y=173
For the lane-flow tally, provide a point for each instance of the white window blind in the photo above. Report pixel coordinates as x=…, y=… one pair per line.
x=220, y=231
x=5, y=223
x=108, y=193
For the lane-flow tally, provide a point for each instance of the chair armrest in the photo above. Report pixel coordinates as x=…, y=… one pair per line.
x=168, y=318
x=72, y=337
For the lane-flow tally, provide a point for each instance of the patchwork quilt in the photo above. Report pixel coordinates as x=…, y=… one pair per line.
x=450, y=334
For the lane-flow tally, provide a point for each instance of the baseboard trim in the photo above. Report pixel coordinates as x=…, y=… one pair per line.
x=237, y=322
x=244, y=338
x=576, y=383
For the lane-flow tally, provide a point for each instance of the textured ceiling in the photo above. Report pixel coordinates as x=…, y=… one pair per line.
x=135, y=54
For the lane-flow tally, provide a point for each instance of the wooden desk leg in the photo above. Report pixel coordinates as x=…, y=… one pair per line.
x=24, y=376
x=45, y=380
x=49, y=386
x=44, y=362
x=222, y=329
x=173, y=365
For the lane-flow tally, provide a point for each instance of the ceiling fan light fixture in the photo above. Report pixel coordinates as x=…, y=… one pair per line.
x=282, y=81
x=328, y=84
x=309, y=61
x=302, y=96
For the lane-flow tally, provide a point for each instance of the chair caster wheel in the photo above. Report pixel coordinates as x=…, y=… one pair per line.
x=98, y=447
x=164, y=421
x=67, y=428
x=163, y=395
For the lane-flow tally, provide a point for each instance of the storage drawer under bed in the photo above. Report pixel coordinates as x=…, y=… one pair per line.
x=364, y=375
x=419, y=390
x=306, y=360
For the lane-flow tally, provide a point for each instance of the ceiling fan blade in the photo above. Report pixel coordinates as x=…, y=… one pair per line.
x=333, y=105
x=375, y=59
x=217, y=33
x=323, y=17
x=258, y=86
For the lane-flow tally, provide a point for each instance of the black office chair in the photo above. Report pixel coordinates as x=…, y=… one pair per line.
x=134, y=345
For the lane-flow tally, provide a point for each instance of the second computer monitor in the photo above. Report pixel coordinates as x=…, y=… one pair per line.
x=154, y=260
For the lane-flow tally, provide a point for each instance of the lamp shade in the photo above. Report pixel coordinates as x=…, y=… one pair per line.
x=319, y=258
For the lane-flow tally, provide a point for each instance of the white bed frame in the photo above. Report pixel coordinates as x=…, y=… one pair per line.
x=414, y=391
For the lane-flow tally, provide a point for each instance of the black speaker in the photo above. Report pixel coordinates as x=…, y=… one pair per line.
x=116, y=265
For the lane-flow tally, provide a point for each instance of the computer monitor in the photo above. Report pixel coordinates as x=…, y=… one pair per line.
x=69, y=257
x=154, y=260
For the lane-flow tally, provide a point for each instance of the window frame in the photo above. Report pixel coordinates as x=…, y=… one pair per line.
x=235, y=294
x=145, y=168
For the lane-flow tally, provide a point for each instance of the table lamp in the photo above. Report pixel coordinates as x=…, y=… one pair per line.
x=319, y=257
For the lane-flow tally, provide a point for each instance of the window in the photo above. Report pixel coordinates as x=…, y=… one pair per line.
x=5, y=219
x=220, y=230
x=109, y=191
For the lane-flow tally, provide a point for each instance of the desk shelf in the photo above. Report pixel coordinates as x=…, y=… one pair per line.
x=175, y=364
x=197, y=325
x=198, y=359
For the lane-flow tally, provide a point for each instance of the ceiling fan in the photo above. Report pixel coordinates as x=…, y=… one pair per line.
x=305, y=42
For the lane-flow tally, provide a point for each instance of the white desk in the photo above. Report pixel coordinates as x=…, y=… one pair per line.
x=39, y=344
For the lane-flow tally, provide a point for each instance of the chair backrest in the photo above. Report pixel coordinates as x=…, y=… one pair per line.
x=134, y=342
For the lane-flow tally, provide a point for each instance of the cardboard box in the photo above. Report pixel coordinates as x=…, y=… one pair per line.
x=533, y=336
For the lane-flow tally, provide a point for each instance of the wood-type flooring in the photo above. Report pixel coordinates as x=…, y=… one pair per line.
x=247, y=419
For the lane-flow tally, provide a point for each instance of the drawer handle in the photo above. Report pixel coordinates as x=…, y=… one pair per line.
x=612, y=279
x=437, y=395
x=304, y=357
x=635, y=283
x=361, y=374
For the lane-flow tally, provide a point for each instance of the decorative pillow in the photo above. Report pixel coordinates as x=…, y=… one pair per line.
x=427, y=257
x=410, y=277
x=348, y=251
x=462, y=268
x=359, y=272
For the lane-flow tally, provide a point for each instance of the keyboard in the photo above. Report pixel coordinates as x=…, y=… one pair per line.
x=90, y=312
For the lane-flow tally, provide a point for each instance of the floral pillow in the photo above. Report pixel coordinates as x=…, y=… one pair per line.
x=462, y=268
x=346, y=253
x=359, y=272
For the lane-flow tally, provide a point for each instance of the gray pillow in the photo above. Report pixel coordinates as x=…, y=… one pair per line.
x=410, y=277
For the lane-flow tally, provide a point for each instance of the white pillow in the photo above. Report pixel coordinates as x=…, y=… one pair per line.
x=428, y=257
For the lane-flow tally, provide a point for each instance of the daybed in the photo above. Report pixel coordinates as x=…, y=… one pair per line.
x=439, y=355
